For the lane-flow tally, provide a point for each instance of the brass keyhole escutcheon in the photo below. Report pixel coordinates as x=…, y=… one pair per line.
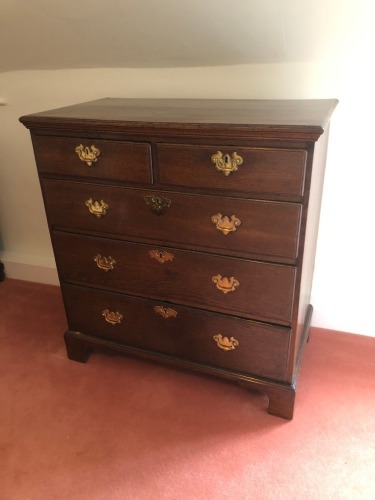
x=165, y=312
x=226, y=163
x=158, y=204
x=161, y=256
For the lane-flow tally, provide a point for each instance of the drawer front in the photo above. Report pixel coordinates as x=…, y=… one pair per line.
x=235, y=286
x=250, y=170
x=182, y=332
x=227, y=225
x=98, y=159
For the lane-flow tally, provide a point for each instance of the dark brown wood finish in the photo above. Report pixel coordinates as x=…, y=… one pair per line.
x=269, y=229
x=264, y=292
x=296, y=120
x=119, y=161
x=145, y=266
x=262, y=350
x=273, y=171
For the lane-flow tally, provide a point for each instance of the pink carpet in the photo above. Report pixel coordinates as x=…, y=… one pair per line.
x=122, y=428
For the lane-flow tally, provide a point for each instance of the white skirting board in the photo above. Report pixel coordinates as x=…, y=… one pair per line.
x=30, y=268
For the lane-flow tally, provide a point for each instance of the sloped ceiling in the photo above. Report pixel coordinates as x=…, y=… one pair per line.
x=55, y=34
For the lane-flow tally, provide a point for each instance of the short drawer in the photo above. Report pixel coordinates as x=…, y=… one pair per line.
x=235, y=286
x=182, y=332
x=220, y=225
x=97, y=159
x=250, y=170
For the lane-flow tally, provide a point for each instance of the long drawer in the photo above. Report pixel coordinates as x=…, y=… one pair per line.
x=234, y=168
x=182, y=332
x=224, y=225
x=236, y=286
x=93, y=158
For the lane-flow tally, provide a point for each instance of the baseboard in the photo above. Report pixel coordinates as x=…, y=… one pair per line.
x=29, y=268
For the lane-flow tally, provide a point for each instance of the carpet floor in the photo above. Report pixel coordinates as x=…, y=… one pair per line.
x=121, y=428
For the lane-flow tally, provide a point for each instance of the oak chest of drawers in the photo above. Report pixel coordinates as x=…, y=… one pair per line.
x=185, y=230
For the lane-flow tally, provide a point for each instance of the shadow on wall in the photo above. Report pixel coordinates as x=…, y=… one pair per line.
x=2, y=271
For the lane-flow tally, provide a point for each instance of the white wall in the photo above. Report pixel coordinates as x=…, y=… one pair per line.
x=345, y=270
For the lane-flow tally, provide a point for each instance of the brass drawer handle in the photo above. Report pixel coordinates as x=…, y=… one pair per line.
x=104, y=263
x=113, y=318
x=158, y=204
x=226, y=163
x=225, y=343
x=224, y=224
x=88, y=155
x=166, y=312
x=225, y=285
x=98, y=208
x=161, y=256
